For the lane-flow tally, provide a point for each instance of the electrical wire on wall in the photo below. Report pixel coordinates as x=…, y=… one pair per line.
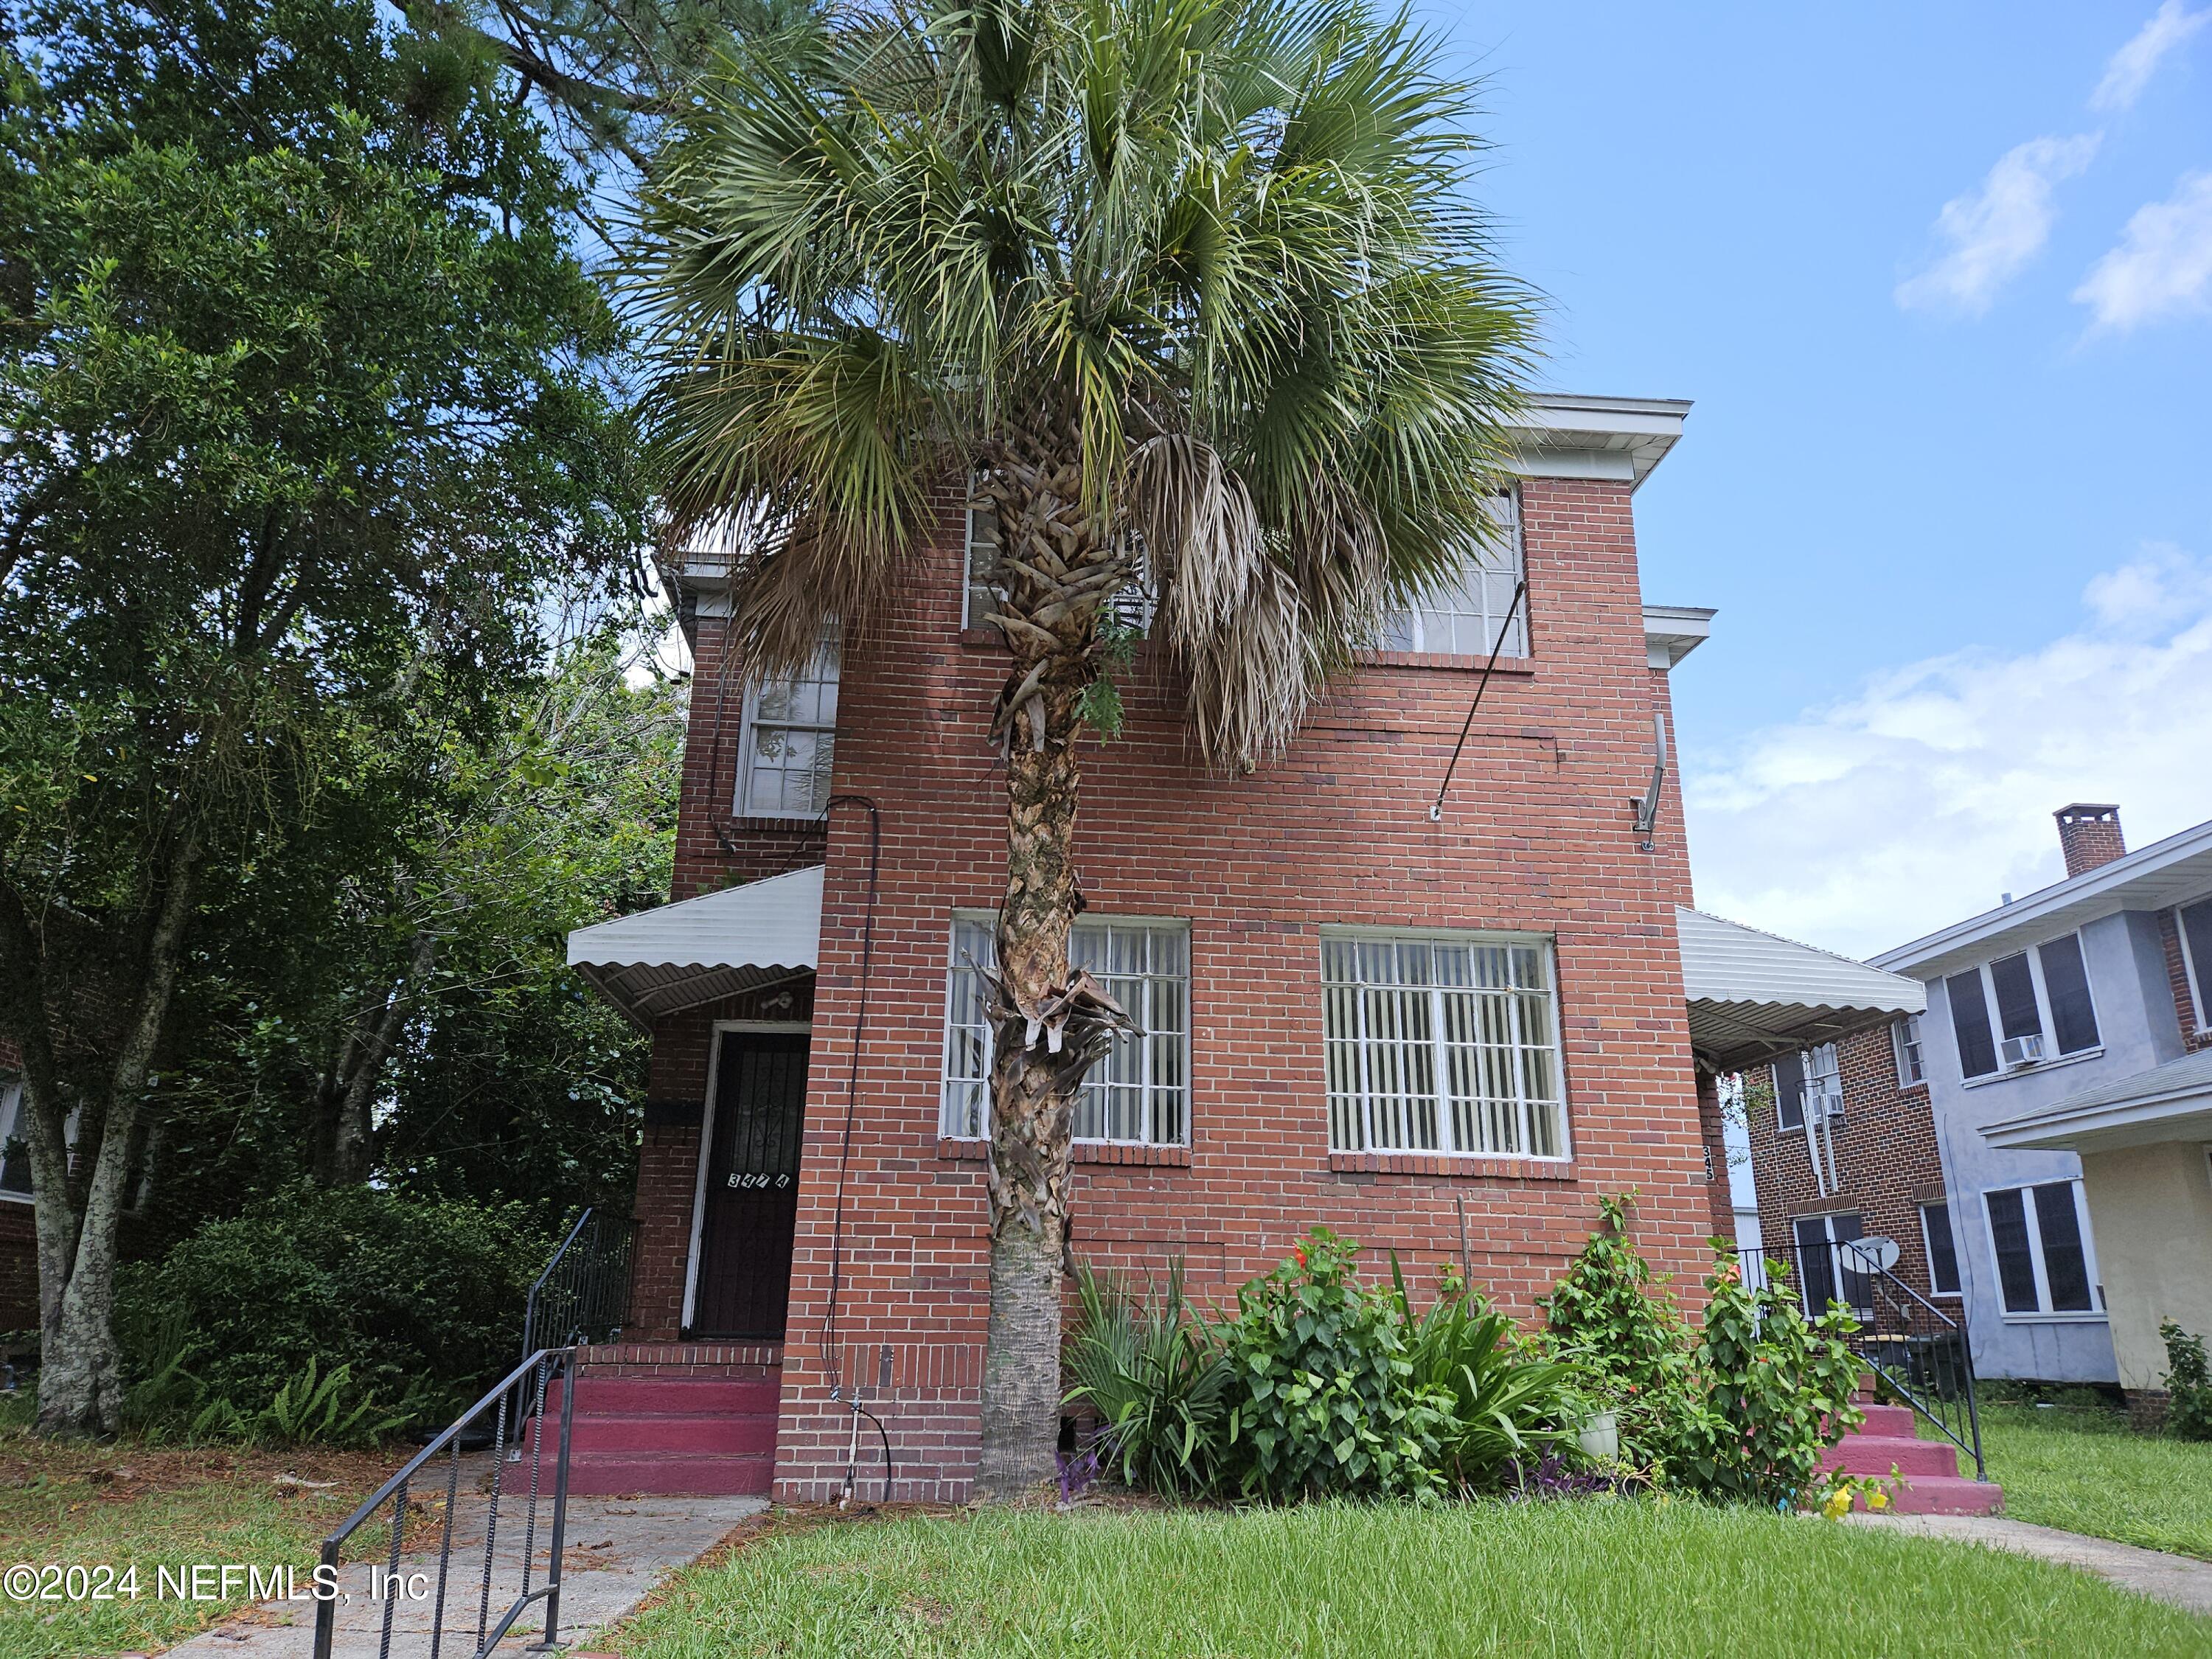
x=1436, y=806
x=830, y=1347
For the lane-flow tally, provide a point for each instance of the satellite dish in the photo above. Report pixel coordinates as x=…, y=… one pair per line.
x=1876, y=1254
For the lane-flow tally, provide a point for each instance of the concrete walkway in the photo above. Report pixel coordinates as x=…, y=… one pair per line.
x=618, y=1549
x=2182, y=1581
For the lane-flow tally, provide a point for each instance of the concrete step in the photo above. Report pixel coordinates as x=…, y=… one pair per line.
x=667, y=1433
x=1945, y=1494
x=635, y=1396
x=1875, y=1453
x=1897, y=1420
x=671, y=1473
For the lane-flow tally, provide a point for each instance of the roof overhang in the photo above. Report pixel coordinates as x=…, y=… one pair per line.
x=1559, y=435
x=1671, y=632
x=701, y=949
x=2173, y=1102
x=1754, y=996
x=2150, y=879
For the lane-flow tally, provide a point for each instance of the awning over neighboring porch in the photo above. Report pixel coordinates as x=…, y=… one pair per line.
x=701, y=950
x=1754, y=996
x=2173, y=1102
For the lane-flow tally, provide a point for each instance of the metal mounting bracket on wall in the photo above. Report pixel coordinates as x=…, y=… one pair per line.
x=1647, y=807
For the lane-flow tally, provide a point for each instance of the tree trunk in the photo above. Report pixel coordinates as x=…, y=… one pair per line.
x=1045, y=1033
x=345, y=1105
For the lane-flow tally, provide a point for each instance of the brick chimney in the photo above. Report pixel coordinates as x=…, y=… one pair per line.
x=2090, y=836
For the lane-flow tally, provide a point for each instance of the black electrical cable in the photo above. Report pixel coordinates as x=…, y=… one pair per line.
x=1436, y=806
x=853, y=1092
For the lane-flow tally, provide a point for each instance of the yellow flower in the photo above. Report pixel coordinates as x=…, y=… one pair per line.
x=1877, y=1500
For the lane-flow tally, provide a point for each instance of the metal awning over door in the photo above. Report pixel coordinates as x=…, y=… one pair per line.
x=701, y=949
x=1753, y=995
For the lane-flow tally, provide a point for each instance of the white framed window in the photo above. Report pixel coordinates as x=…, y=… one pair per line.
x=2046, y=1261
x=1912, y=1062
x=1808, y=1087
x=14, y=1142
x=1471, y=612
x=1442, y=1043
x=1138, y=1093
x=2194, y=923
x=2023, y=1010
x=1942, y=1247
x=788, y=743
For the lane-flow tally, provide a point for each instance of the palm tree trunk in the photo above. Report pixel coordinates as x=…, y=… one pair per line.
x=1041, y=1046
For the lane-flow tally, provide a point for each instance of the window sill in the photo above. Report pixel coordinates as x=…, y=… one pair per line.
x=1444, y=660
x=989, y=639
x=755, y=821
x=9, y=1197
x=1084, y=1151
x=2056, y=1318
x=2036, y=1070
x=1453, y=1164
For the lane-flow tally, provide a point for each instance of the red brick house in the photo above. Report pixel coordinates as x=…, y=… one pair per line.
x=1308, y=950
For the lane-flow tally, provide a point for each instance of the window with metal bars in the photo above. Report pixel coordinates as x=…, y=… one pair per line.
x=1442, y=1045
x=1138, y=1094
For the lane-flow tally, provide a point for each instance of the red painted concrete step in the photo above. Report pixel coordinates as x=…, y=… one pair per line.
x=630, y=1396
x=663, y=1474
x=1929, y=1481
x=666, y=1436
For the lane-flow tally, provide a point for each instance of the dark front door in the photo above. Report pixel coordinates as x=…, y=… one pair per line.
x=1826, y=1271
x=752, y=1186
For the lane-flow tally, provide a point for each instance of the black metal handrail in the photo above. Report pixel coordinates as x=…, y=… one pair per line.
x=1919, y=1351
x=583, y=1293
x=530, y=1379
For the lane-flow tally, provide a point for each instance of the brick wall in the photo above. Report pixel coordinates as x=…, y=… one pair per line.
x=1886, y=1155
x=1538, y=838
x=2193, y=1036
x=18, y=1239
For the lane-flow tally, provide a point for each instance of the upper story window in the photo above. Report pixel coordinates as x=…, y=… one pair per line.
x=1139, y=1093
x=1911, y=1064
x=1808, y=1087
x=15, y=1149
x=1442, y=1045
x=1467, y=614
x=2195, y=925
x=2046, y=1265
x=2020, y=1009
x=1943, y=1248
x=788, y=743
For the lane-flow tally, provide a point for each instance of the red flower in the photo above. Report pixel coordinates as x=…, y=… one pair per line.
x=1298, y=1253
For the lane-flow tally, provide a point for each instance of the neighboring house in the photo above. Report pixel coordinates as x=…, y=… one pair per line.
x=1843, y=1145
x=1447, y=1038
x=19, y=1242
x=2061, y=1021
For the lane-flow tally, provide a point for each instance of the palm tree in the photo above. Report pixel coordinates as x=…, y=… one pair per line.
x=1193, y=292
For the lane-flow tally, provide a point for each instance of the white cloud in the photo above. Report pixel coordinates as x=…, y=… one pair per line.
x=2163, y=265
x=1994, y=232
x=1916, y=802
x=2132, y=65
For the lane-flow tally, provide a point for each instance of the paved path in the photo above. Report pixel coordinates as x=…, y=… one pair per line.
x=618, y=1548
x=2180, y=1580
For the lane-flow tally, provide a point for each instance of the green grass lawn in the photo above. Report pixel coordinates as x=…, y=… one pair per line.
x=126, y=1505
x=2085, y=1470
x=1570, y=1578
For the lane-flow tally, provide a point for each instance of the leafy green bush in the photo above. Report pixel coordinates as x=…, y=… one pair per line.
x=415, y=1300
x=2187, y=1384
x=1507, y=1405
x=1152, y=1370
x=1610, y=1321
x=1773, y=1391
x=1321, y=1385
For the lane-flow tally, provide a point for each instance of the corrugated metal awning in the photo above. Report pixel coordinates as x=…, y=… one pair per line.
x=701, y=949
x=1753, y=995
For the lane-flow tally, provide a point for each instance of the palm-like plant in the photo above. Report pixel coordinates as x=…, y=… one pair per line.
x=1192, y=291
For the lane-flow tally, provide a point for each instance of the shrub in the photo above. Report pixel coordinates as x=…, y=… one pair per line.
x=1150, y=1368
x=2187, y=1384
x=1507, y=1406
x=1773, y=1391
x=1610, y=1321
x=413, y=1298
x=1322, y=1395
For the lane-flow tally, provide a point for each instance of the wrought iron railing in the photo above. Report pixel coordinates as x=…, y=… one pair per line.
x=418, y=1576
x=583, y=1294
x=1916, y=1348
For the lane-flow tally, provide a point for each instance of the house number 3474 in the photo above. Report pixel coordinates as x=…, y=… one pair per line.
x=758, y=1181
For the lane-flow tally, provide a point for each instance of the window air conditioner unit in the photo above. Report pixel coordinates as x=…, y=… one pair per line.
x=2023, y=1050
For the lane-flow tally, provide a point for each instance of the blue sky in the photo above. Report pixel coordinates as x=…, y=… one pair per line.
x=1939, y=278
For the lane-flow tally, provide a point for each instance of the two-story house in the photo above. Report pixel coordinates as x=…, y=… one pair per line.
x=1445, y=1034
x=2069, y=1069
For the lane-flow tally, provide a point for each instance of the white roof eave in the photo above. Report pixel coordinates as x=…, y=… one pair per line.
x=701, y=949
